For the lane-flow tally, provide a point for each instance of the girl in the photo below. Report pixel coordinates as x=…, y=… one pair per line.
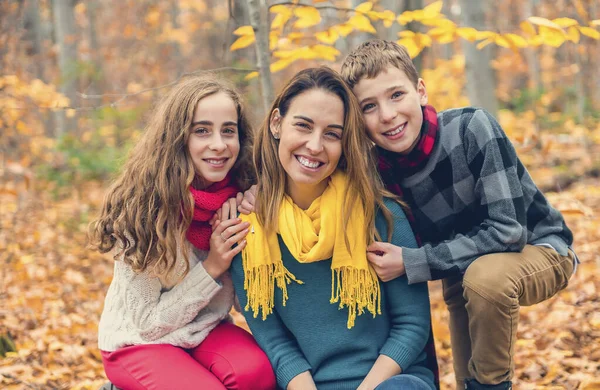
x=311, y=299
x=164, y=324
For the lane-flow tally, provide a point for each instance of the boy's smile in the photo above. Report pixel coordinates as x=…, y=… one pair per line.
x=391, y=106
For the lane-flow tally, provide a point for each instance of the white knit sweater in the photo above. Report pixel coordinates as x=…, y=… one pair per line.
x=139, y=309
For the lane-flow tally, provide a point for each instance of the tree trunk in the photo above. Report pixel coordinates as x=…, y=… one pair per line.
x=239, y=17
x=33, y=34
x=259, y=19
x=64, y=32
x=96, y=86
x=411, y=5
x=530, y=53
x=481, y=80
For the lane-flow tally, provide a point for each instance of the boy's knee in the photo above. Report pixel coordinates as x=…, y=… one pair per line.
x=487, y=279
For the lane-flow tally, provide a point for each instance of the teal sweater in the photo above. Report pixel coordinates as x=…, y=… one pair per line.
x=310, y=334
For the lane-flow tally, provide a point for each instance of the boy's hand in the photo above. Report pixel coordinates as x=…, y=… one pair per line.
x=386, y=260
x=247, y=204
x=227, y=211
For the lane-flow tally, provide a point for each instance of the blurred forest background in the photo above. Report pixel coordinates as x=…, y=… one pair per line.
x=77, y=78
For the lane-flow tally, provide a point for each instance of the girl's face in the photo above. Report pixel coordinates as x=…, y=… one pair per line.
x=310, y=143
x=214, y=142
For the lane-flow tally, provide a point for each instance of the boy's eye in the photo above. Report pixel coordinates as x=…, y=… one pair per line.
x=368, y=107
x=396, y=95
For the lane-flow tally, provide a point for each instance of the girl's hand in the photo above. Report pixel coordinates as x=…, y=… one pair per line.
x=386, y=260
x=246, y=206
x=225, y=235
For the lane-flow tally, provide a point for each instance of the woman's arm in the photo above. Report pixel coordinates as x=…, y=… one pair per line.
x=289, y=364
x=409, y=310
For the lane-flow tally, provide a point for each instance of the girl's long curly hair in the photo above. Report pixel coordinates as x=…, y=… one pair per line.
x=148, y=208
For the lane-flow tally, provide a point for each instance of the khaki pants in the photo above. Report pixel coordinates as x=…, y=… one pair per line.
x=484, y=308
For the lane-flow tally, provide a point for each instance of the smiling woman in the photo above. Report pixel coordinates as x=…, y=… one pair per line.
x=326, y=321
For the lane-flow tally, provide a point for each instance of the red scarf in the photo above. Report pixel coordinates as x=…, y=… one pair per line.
x=395, y=166
x=206, y=202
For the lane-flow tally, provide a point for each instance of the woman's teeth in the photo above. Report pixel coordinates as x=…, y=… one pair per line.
x=308, y=163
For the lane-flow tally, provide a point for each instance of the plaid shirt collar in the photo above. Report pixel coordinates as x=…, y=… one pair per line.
x=407, y=165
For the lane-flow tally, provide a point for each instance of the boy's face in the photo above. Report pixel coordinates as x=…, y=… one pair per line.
x=391, y=106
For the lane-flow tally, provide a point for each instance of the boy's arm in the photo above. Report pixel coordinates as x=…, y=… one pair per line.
x=497, y=173
x=274, y=338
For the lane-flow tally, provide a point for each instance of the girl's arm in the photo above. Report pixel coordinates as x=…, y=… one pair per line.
x=409, y=310
x=289, y=364
x=157, y=313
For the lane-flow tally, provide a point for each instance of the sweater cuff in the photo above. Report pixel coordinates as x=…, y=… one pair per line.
x=416, y=266
x=198, y=279
x=289, y=370
x=400, y=354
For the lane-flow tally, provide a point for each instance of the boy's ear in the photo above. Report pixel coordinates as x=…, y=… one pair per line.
x=422, y=91
x=275, y=123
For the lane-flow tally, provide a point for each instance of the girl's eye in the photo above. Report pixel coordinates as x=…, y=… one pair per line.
x=228, y=131
x=368, y=107
x=396, y=95
x=201, y=130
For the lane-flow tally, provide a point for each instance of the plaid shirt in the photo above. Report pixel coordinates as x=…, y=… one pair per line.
x=471, y=197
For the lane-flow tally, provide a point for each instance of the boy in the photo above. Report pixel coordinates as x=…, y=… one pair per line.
x=486, y=229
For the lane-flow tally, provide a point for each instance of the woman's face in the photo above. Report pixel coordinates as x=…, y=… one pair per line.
x=214, y=141
x=310, y=143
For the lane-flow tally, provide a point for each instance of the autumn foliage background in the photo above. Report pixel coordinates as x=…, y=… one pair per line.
x=77, y=79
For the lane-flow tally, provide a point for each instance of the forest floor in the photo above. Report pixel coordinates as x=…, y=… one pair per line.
x=52, y=288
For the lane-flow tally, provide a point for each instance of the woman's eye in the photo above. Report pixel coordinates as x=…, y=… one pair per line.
x=333, y=134
x=368, y=107
x=396, y=95
x=303, y=125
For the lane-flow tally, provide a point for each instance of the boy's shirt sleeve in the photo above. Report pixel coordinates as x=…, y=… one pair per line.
x=272, y=335
x=496, y=170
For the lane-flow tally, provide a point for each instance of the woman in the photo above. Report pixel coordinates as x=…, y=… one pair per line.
x=311, y=299
x=165, y=320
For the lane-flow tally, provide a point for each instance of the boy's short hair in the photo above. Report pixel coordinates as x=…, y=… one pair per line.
x=373, y=57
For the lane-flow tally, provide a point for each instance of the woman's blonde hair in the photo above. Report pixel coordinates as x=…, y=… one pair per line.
x=357, y=161
x=149, y=207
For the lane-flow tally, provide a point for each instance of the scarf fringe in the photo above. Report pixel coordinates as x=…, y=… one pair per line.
x=259, y=283
x=356, y=289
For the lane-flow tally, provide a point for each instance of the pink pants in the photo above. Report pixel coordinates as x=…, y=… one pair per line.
x=228, y=358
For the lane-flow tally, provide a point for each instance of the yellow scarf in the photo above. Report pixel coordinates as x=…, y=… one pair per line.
x=313, y=235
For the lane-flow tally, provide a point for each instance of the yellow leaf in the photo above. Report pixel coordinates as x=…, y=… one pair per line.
x=573, y=34
x=387, y=16
x=411, y=47
x=528, y=28
x=343, y=29
x=516, y=40
x=328, y=53
x=406, y=34
x=485, y=35
x=433, y=10
x=552, y=37
x=405, y=17
x=484, y=43
x=361, y=23
x=329, y=36
x=590, y=32
x=251, y=75
x=364, y=7
x=544, y=22
x=565, y=22
x=279, y=65
x=307, y=17
x=242, y=42
x=283, y=15
x=595, y=22
x=468, y=33
x=244, y=30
